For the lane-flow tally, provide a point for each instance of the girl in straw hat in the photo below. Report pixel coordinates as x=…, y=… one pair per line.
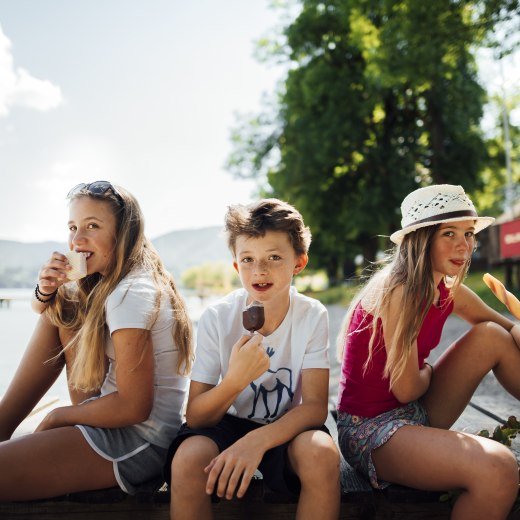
x=394, y=409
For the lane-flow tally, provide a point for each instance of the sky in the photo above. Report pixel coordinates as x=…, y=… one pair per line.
x=141, y=93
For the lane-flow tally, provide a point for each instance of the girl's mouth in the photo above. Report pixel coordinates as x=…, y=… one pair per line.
x=458, y=263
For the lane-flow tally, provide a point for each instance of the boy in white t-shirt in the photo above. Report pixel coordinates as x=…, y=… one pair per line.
x=259, y=401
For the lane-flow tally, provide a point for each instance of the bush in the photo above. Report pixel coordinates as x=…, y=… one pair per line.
x=211, y=278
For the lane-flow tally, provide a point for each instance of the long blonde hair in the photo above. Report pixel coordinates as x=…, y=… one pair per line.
x=80, y=306
x=409, y=267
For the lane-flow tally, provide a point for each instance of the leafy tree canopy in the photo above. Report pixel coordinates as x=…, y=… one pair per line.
x=380, y=96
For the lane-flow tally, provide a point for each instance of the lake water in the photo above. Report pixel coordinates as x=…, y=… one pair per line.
x=16, y=326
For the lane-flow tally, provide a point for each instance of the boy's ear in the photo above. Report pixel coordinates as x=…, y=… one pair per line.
x=235, y=265
x=301, y=262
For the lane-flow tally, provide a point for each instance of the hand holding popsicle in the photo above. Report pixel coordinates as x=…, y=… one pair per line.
x=507, y=298
x=60, y=269
x=253, y=317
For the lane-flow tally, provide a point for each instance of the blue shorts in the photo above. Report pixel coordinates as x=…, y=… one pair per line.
x=275, y=468
x=359, y=436
x=135, y=460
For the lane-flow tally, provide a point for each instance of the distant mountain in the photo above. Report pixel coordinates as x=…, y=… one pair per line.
x=186, y=248
x=20, y=262
x=180, y=250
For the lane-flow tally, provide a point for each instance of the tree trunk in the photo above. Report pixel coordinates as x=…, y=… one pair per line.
x=349, y=269
x=436, y=128
x=332, y=271
x=369, y=249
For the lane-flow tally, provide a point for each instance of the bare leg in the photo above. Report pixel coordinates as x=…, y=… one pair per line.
x=315, y=459
x=34, y=376
x=51, y=463
x=459, y=371
x=434, y=459
x=188, y=487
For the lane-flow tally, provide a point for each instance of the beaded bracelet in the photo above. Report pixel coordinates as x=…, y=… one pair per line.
x=37, y=290
x=41, y=293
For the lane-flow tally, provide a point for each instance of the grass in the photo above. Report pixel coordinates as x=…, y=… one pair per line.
x=342, y=295
x=475, y=283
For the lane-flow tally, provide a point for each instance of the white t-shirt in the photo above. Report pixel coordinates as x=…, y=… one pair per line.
x=130, y=306
x=300, y=342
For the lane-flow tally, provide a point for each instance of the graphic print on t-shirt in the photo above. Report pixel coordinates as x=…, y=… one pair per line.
x=272, y=394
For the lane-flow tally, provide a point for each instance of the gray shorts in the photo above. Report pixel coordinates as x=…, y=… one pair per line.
x=135, y=460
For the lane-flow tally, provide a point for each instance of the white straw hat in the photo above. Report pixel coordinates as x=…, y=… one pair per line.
x=434, y=205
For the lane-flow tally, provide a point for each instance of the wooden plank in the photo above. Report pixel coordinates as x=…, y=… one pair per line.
x=398, y=503
x=251, y=507
x=233, y=511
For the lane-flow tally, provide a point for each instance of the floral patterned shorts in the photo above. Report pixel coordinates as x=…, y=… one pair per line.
x=359, y=436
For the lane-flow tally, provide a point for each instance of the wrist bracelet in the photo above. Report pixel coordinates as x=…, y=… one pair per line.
x=41, y=293
x=51, y=295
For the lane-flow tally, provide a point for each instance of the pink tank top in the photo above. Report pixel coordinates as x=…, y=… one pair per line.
x=369, y=394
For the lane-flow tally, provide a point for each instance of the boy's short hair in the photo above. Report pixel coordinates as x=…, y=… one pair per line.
x=265, y=215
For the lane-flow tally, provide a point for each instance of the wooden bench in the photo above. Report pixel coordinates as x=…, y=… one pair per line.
x=358, y=501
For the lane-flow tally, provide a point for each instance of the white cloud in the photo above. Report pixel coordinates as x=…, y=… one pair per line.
x=19, y=88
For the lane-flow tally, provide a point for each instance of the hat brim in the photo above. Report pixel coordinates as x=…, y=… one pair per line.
x=480, y=224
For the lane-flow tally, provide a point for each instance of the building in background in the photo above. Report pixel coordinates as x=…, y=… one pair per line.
x=500, y=245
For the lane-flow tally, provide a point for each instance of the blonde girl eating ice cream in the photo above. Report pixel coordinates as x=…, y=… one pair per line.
x=124, y=336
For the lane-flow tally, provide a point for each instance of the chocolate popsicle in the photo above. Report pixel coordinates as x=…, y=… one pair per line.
x=253, y=317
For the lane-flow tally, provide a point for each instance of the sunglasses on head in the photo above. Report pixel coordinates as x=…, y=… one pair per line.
x=96, y=188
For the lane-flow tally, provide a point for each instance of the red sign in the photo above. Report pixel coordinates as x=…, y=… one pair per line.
x=510, y=239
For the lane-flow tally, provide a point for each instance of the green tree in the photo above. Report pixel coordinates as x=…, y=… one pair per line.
x=380, y=97
x=491, y=197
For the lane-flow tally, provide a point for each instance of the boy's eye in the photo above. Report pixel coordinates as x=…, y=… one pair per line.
x=449, y=234
x=275, y=257
x=470, y=234
x=246, y=260
x=92, y=226
x=72, y=228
